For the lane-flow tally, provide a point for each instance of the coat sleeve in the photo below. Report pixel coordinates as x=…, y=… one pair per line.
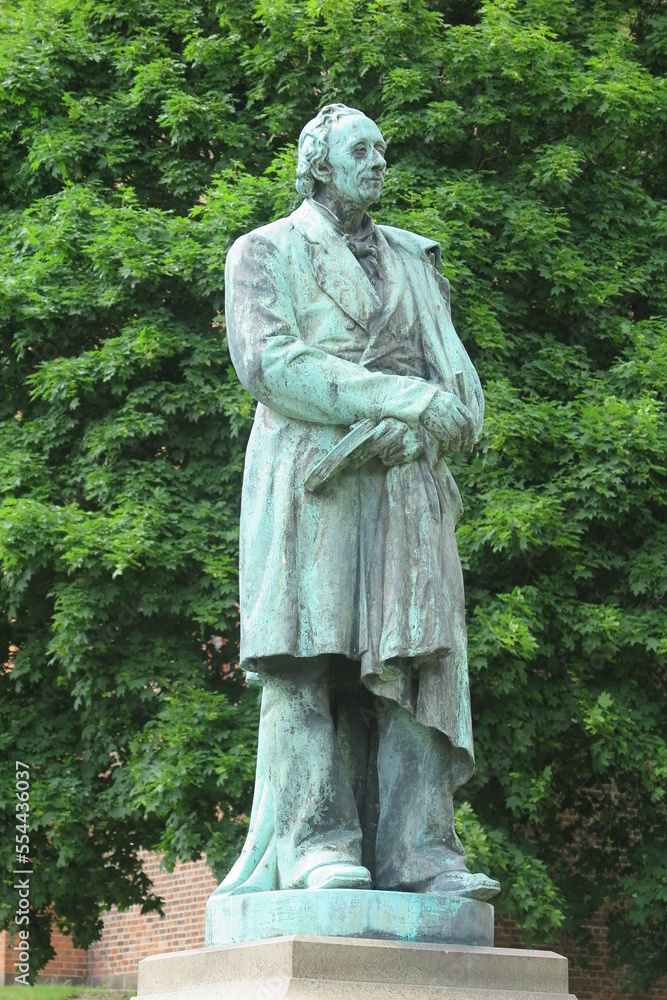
x=448, y=361
x=290, y=376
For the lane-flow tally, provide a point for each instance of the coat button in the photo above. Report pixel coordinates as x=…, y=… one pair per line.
x=349, y=324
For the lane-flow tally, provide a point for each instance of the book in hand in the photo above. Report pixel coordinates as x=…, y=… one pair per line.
x=358, y=436
x=341, y=454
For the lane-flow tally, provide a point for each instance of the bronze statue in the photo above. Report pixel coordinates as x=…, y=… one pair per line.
x=352, y=607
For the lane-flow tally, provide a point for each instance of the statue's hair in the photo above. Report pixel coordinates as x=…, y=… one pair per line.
x=314, y=145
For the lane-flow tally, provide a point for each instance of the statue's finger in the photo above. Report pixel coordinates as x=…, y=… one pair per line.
x=459, y=423
x=390, y=436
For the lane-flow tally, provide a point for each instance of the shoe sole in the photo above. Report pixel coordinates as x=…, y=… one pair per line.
x=482, y=893
x=337, y=880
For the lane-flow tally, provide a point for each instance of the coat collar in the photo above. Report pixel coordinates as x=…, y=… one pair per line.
x=336, y=268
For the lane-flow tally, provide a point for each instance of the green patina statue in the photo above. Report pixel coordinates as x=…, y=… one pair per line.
x=352, y=609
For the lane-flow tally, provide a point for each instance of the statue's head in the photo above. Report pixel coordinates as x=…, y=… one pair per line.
x=344, y=150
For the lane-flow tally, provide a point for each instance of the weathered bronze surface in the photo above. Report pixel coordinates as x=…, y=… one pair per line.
x=352, y=610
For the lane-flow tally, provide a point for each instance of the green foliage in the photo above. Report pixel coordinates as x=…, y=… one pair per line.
x=529, y=891
x=137, y=140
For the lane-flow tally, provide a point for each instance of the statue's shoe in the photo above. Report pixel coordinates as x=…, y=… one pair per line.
x=466, y=884
x=339, y=875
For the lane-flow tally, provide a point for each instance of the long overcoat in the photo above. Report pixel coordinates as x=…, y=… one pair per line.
x=298, y=305
x=299, y=310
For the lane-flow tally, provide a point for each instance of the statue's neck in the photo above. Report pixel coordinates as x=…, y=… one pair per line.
x=349, y=217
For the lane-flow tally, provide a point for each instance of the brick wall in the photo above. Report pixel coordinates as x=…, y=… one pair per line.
x=6, y=960
x=128, y=937
x=594, y=982
x=69, y=966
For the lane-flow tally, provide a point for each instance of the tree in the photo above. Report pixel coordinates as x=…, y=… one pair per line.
x=137, y=140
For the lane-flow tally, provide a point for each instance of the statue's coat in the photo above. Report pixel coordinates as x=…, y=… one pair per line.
x=298, y=305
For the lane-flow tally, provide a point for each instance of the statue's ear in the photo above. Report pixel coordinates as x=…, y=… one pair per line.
x=321, y=171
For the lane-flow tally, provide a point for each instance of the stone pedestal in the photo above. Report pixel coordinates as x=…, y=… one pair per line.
x=326, y=968
x=358, y=913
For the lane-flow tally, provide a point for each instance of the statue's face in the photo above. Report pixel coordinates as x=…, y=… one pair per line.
x=356, y=159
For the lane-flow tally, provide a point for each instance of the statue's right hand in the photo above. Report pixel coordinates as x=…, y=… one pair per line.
x=450, y=421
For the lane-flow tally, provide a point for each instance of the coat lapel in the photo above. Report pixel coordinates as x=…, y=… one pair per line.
x=336, y=269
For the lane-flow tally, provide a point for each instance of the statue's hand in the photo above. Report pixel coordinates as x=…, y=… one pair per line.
x=403, y=445
x=394, y=442
x=450, y=422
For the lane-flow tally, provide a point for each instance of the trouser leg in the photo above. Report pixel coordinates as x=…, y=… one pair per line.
x=356, y=727
x=315, y=815
x=416, y=839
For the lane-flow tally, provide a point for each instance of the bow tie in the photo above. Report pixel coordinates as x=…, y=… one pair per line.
x=365, y=252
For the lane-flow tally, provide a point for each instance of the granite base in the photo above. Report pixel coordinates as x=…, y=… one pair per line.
x=312, y=968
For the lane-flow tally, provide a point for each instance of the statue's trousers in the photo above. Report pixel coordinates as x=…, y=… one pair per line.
x=357, y=779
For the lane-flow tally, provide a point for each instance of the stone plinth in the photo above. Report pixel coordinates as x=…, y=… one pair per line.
x=312, y=968
x=399, y=916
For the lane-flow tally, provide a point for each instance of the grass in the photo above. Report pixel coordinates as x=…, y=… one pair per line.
x=58, y=991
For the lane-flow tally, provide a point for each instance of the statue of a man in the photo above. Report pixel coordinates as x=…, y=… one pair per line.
x=352, y=609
